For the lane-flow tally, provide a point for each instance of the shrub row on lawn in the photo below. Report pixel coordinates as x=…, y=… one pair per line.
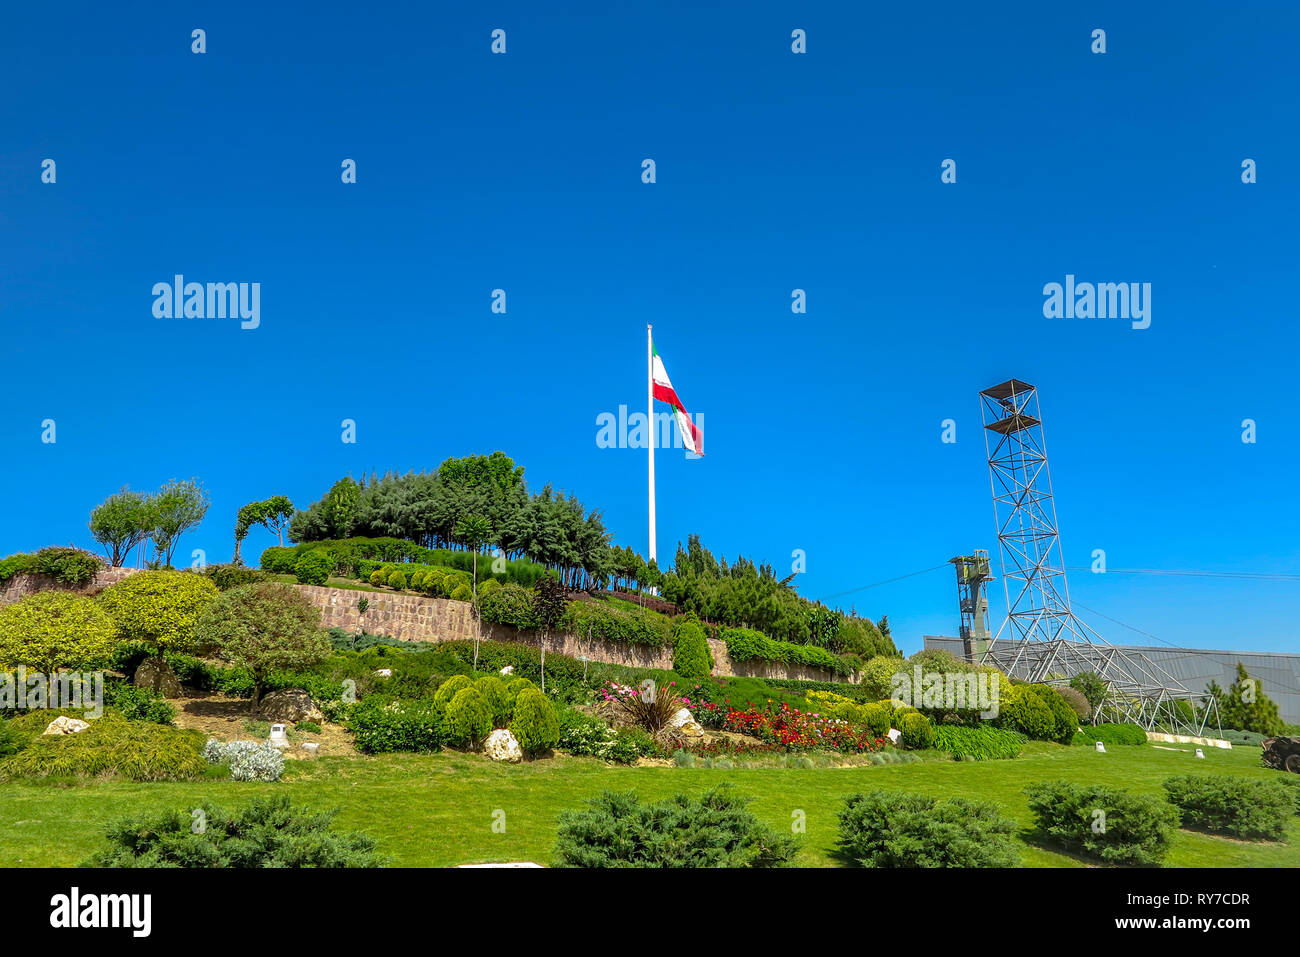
x=981, y=744
x=1109, y=734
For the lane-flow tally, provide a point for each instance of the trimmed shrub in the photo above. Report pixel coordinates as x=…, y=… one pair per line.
x=1065, y=721
x=469, y=720
x=313, y=568
x=1112, y=825
x=982, y=744
x=715, y=830
x=158, y=608
x=378, y=577
x=278, y=560
x=1077, y=701
x=396, y=580
x=50, y=630
x=1109, y=734
x=66, y=565
x=508, y=605
x=891, y=829
x=381, y=726
x=691, y=655
x=449, y=688
x=1256, y=810
x=534, y=725
x=488, y=587
x=745, y=644
x=876, y=718
x=513, y=688
x=493, y=692
x=918, y=732
x=462, y=593
x=605, y=621
x=268, y=833
x=135, y=750
x=226, y=577
x=417, y=579
x=1025, y=711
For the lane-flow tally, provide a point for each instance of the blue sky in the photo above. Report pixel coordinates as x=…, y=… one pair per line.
x=775, y=171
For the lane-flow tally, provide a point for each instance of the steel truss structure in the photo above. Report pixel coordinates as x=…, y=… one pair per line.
x=1041, y=639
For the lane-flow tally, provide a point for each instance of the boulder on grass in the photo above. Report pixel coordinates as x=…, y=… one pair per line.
x=288, y=707
x=501, y=745
x=156, y=675
x=685, y=724
x=65, y=725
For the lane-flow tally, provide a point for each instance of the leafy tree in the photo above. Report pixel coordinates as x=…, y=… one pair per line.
x=178, y=507
x=473, y=531
x=1091, y=686
x=158, y=608
x=121, y=522
x=53, y=629
x=550, y=602
x=273, y=514
x=263, y=627
x=1244, y=705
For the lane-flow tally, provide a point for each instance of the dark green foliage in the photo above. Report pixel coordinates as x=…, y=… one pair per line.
x=534, y=723
x=267, y=833
x=1112, y=825
x=691, y=655
x=1256, y=810
x=382, y=724
x=918, y=732
x=715, y=830
x=606, y=622
x=313, y=568
x=508, y=605
x=1245, y=707
x=135, y=750
x=1027, y=712
x=66, y=565
x=1065, y=720
x=890, y=829
x=279, y=561
x=309, y=727
x=1089, y=734
x=12, y=740
x=745, y=644
x=19, y=564
x=983, y=743
x=138, y=704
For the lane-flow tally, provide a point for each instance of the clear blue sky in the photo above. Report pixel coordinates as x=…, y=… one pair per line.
x=775, y=171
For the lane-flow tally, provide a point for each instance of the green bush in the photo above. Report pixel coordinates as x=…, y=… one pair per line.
x=159, y=608
x=267, y=833
x=1109, y=734
x=508, y=605
x=469, y=720
x=66, y=565
x=53, y=629
x=381, y=725
x=111, y=746
x=307, y=727
x=462, y=593
x=1256, y=810
x=277, y=560
x=534, y=725
x=715, y=830
x=604, y=621
x=745, y=644
x=691, y=655
x=493, y=692
x=226, y=577
x=1065, y=720
x=983, y=743
x=396, y=580
x=449, y=688
x=19, y=564
x=138, y=704
x=417, y=579
x=1112, y=825
x=11, y=739
x=891, y=829
x=1022, y=710
x=379, y=576
x=876, y=717
x=918, y=732
x=313, y=568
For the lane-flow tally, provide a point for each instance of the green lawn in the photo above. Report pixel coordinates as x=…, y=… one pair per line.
x=438, y=810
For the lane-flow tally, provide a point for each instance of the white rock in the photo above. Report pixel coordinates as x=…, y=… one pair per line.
x=894, y=735
x=680, y=717
x=502, y=746
x=65, y=725
x=507, y=670
x=312, y=748
x=385, y=672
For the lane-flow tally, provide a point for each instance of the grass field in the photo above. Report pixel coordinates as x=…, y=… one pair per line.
x=438, y=810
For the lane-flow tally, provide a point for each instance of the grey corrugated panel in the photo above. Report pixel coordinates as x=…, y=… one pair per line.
x=1277, y=672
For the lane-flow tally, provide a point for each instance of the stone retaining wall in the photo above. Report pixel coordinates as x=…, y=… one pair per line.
x=22, y=585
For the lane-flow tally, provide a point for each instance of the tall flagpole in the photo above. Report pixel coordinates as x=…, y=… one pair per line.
x=650, y=428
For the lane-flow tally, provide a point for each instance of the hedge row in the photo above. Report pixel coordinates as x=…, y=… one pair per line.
x=745, y=644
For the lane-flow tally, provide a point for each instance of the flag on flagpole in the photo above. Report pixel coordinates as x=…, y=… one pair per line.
x=663, y=390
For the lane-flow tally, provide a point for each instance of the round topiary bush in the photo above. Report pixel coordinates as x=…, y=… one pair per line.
x=488, y=587
x=379, y=577
x=691, y=655
x=463, y=593
x=535, y=724
x=314, y=567
x=918, y=732
x=1065, y=721
x=1024, y=711
x=493, y=691
x=396, y=580
x=513, y=689
x=51, y=630
x=158, y=608
x=1077, y=701
x=447, y=690
x=876, y=718
x=417, y=579
x=469, y=719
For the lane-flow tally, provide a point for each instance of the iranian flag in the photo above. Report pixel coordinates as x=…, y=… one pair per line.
x=662, y=389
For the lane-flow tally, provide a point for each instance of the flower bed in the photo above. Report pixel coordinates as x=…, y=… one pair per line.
x=797, y=730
